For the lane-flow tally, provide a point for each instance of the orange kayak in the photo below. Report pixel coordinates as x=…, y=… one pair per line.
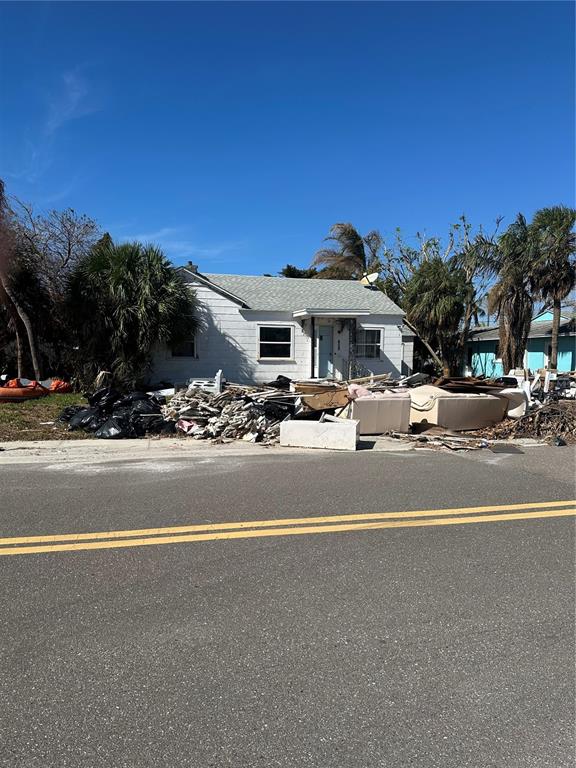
x=18, y=394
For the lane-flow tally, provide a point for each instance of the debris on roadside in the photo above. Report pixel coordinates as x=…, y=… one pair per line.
x=112, y=415
x=442, y=439
x=380, y=412
x=549, y=422
x=457, y=411
x=330, y=432
x=452, y=414
x=237, y=413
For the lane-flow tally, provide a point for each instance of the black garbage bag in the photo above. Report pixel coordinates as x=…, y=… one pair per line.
x=133, y=408
x=104, y=398
x=132, y=397
x=115, y=429
x=88, y=419
x=281, y=382
x=151, y=425
x=277, y=411
x=141, y=415
x=68, y=412
x=121, y=412
x=145, y=406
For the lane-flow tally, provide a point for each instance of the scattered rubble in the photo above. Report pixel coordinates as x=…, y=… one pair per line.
x=213, y=409
x=237, y=413
x=442, y=440
x=549, y=422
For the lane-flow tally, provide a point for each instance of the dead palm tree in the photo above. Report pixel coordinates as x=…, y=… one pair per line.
x=512, y=296
x=554, y=269
x=351, y=255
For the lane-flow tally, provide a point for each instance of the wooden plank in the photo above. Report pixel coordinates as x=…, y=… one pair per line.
x=322, y=401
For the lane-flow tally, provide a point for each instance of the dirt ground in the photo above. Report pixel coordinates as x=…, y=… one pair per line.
x=27, y=420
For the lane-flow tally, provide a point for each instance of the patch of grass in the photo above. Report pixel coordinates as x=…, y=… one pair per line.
x=23, y=421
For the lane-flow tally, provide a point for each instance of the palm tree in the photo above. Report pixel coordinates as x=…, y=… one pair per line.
x=291, y=271
x=471, y=258
x=123, y=300
x=435, y=300
x=352, y=255
x=512, y=296
x=554, y=269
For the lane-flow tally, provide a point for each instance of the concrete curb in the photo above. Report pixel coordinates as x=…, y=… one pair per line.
x=98, y=451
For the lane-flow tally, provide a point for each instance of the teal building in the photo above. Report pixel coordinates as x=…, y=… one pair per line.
x=484, y=356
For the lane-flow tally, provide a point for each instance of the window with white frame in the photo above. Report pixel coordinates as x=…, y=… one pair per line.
x=185, y=348
x=275, y=342
x=368, y=341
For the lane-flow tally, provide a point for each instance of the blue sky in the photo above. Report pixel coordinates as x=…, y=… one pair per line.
x=236, y=134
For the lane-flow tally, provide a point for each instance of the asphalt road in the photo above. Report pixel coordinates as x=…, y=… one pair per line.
x=437, y=645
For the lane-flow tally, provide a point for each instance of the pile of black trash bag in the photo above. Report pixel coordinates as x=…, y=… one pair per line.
x=112, y=415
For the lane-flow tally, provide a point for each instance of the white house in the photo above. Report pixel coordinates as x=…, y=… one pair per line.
x=255, y=328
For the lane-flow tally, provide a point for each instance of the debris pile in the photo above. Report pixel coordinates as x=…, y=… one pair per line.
x=212, y=409
x=237, y=413
x=550, y=422
x=432, y=436
x=111, y=415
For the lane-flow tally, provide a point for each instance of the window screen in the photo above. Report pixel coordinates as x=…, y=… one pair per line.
x=184, y=349
x=275, y=341
x=368, y=343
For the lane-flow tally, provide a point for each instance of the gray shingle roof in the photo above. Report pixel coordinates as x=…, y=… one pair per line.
x=290, y=294
x=540, y=329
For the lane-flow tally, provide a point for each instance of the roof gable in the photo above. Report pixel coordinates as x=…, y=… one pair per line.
x=191, y=277
x=547, y=316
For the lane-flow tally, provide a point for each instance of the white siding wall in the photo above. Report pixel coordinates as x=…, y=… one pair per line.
x=408, y=355
x=267, y=370
x=228, y=339
x=391, y=340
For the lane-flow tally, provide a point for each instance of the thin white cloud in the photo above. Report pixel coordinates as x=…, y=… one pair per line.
x=36, y=157
x=177, y=245
x=155, y=236
x=70, y=101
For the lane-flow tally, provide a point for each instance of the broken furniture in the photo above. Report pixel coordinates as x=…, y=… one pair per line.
x=455, y=410
x=382, y=412
x=518, y=401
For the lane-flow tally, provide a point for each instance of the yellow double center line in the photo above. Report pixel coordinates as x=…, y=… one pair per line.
x=295, y=526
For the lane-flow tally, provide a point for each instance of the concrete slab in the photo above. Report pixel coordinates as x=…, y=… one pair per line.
x=390, y=444
x=333, y=434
